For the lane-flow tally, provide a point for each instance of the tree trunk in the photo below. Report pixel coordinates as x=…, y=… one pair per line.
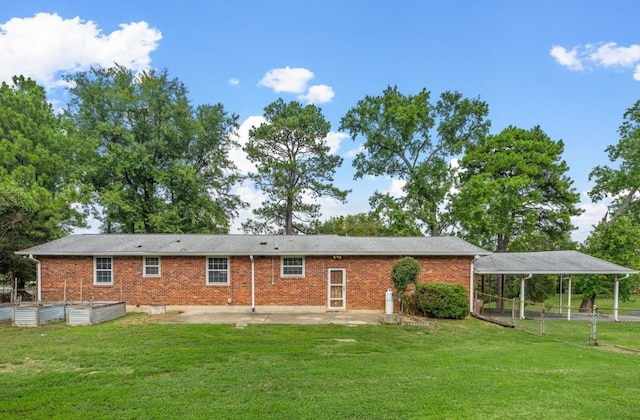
x=288, y=227
x=503, y=243
x=587, y=304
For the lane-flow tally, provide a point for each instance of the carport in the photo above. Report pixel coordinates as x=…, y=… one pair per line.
x=562, y=263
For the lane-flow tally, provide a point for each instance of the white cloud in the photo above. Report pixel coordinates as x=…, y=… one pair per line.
x=43, y=46
x=606, y=54
x=591, y=216
x=234, y=82
x=318, y=94
x=354, y=152
x=396, y=189
x=333, y=140
x=237, y=155
x=248, y=193
x=610, y=54
x=290, y=80
x=566, y=58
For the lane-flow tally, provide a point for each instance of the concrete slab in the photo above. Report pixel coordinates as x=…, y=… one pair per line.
x=243, y=319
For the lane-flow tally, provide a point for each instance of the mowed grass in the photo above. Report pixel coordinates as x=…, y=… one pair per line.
x=604, y=302
x=135, y=369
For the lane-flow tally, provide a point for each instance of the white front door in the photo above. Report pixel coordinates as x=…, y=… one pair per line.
x=337, y=293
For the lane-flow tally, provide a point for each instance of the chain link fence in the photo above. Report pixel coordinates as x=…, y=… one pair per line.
x=10, y=293
x=605, y=327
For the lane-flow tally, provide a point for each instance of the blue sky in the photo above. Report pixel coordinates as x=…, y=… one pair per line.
x=571, y=67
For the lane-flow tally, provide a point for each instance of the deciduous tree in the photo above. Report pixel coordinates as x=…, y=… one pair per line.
x=367, y=224
x=617, y=242
x=621, y=183
x=294, y=167
x=160, y=165
x=411, y=139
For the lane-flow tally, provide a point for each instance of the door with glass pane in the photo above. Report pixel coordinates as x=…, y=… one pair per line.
x=337, y=289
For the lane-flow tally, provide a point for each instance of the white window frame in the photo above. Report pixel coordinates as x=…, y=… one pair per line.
x=284, y=259
x=145, y=266
x=208, y=270
x=96, y=270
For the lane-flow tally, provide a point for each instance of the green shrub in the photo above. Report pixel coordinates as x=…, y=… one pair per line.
x=442, y=300
x=404, y=272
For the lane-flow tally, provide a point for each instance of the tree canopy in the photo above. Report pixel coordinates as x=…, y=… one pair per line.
x=40, y=163
x=294, y=168
x=160, y=165
x=616, y=242
x=514, y=186
x=411, y=139
x=366, y=224
x=621, y=183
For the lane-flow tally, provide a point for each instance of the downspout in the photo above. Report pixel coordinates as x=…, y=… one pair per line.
x=472, y=300
x=253, y=284
x=38, y=280
x=616, y=295
x=522, y=294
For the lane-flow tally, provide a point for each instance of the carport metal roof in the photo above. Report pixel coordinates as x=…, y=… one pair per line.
x=547, y=262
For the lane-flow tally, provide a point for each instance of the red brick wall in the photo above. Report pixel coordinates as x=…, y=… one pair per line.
x=182, y=281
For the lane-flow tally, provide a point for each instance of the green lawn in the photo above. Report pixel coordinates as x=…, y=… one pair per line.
x=132, y=369
x=602, y=301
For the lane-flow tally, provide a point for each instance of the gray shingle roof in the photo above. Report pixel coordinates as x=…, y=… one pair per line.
x=201, y=244
x=549, y=262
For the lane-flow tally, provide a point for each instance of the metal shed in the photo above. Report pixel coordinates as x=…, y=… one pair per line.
x=569, y=263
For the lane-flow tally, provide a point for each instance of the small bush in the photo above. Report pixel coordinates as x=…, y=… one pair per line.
x=404, y=272
x=442, y=300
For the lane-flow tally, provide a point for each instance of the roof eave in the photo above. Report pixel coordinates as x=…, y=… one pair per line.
x=240, y=254
x=534, y=272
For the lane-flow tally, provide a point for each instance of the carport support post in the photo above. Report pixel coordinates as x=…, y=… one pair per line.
x=560, y=298
x=522, y=282
x=522, y=298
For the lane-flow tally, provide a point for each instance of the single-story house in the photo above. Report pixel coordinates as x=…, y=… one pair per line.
x=241, y=272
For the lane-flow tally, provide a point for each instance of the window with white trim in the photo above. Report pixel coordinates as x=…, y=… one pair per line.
x=151, y=267
x=103, y=270
x=218, y=270
x=292, y=267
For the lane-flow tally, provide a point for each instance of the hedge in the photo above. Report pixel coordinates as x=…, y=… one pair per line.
x=442, y=300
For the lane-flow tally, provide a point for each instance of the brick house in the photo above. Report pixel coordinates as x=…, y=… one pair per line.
x=240, y=272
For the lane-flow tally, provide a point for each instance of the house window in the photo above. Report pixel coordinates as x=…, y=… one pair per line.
x=292, y=267
x=103, y=270
x=218, y=270
x=151, y=267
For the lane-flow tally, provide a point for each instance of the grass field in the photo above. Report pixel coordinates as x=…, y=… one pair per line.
x=132, y=368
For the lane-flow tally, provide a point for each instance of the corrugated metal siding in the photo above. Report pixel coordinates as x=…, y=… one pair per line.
x=37, y=315
x=5, y=311
x=50, y=314
x=25, y=316
x=109, y=312
x=79, y=315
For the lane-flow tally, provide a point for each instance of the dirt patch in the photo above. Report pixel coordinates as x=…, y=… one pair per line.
x=145, y=318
